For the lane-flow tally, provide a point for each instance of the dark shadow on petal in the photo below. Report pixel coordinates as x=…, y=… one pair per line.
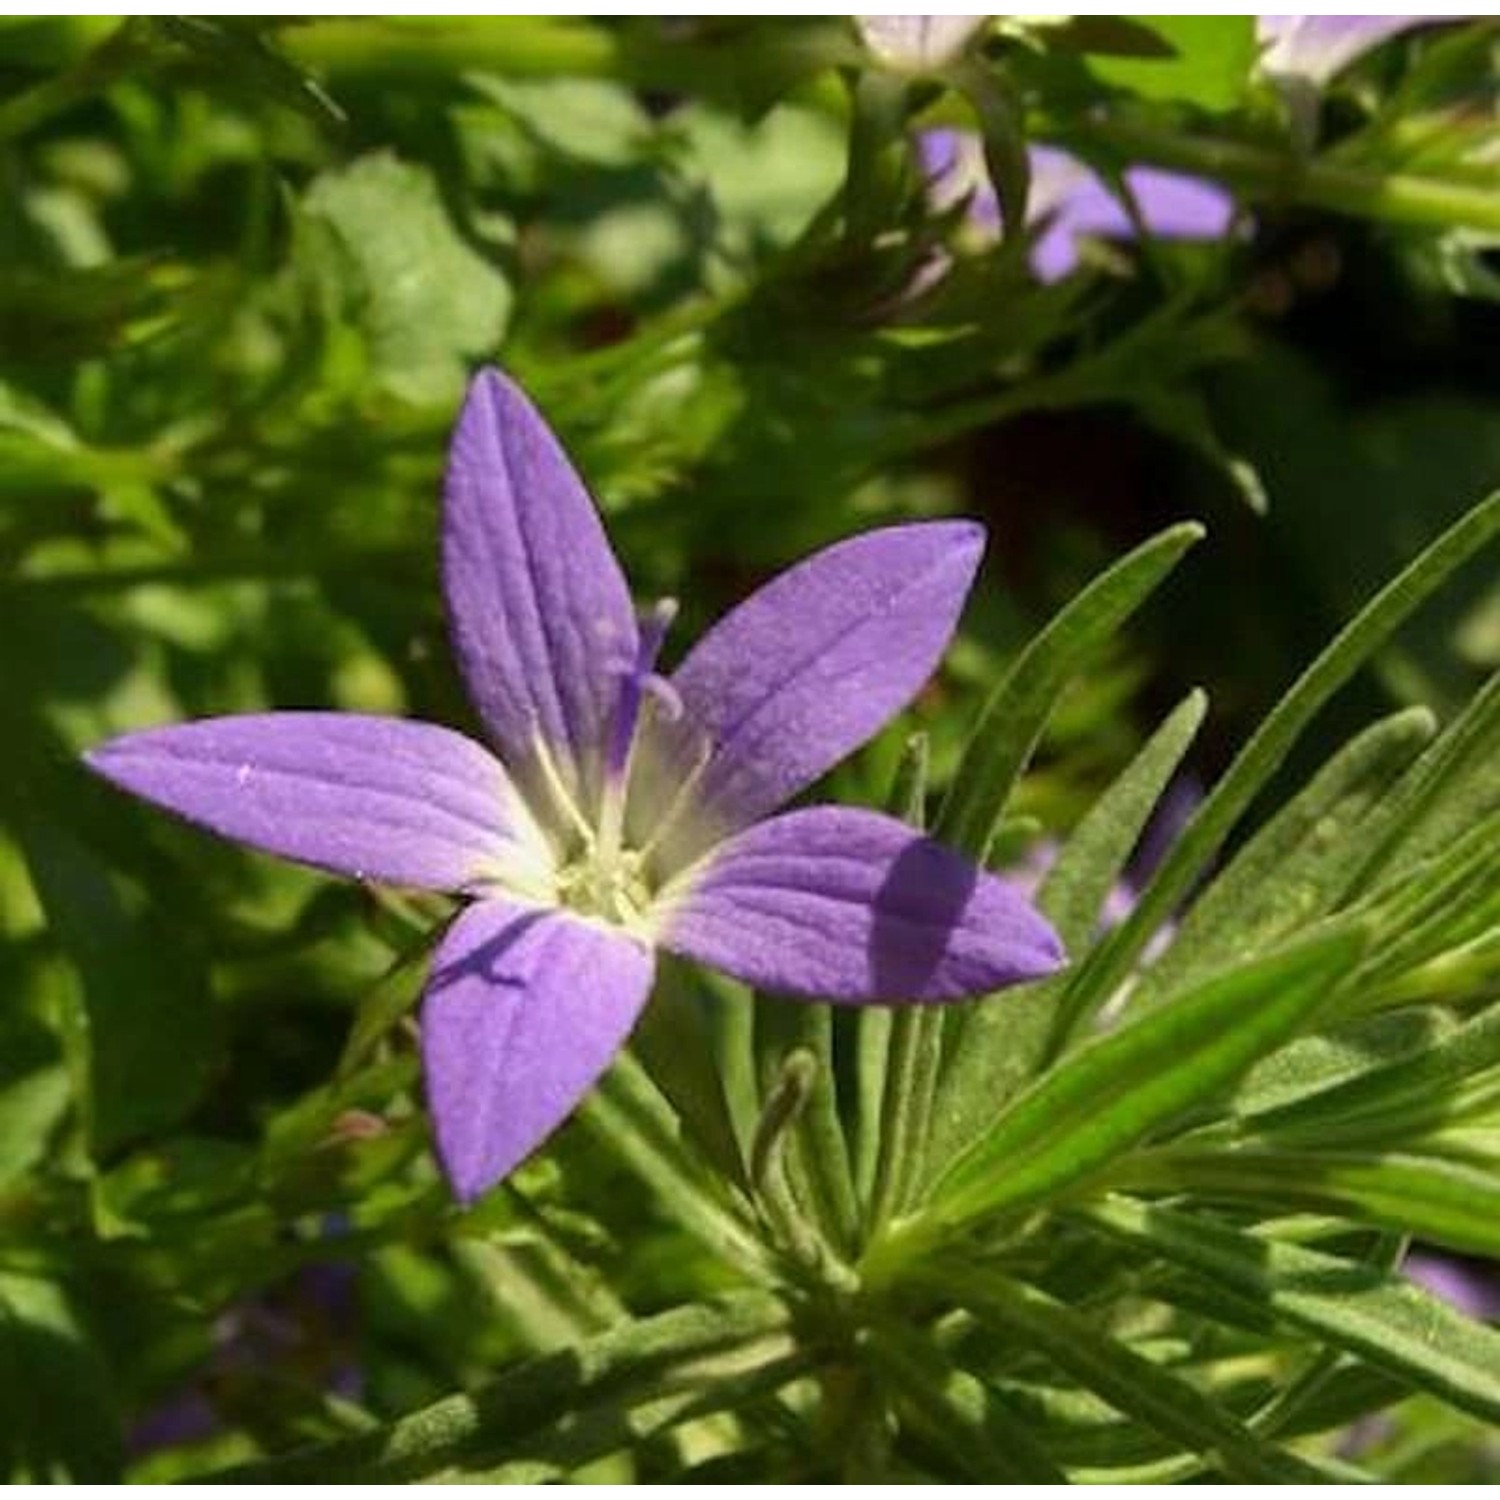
x=919, y=905
x=486, y=960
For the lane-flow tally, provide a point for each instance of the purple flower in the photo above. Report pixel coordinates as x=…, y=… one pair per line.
x=1069, y=202
x=625, y=810
x=1469, y=1286
x=1308, y=51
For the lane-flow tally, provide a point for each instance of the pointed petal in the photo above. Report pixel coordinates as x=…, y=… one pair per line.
x=525, y=1008
x=540, y=613
x=853, y=905
x=804, y=671
x=378, y=799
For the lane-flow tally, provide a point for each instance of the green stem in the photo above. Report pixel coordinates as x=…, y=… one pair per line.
x=1280, y=175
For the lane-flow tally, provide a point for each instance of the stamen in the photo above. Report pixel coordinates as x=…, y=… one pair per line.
x=633, y=688
x=681, y=798
x=558, y=790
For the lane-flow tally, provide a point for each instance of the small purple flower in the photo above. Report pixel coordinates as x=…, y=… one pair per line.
x=1069, y=202
x=1309, y=51
x=625, y=810
x=1469, y=1286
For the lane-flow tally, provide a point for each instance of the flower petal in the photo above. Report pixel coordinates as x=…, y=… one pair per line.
x=803, y=672
x=541, y=616
x=378, y=799
x=524, y=1009
x=853, y=905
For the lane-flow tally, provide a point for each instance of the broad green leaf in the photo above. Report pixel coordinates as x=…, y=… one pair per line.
x=59, y=1420
x=1447, y=1202
x=561, y=1410
x=1208, y=66
x=1298, y=865
x=1134, y=1385
x=1017, y=711
x=1109, y=965
x=146, y=1022
x=377, y=242
x=1392, y=1324
x=1124, y=1086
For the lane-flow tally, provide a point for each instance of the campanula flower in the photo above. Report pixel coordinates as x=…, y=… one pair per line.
x=1070, y=202
x=1311, y=50
x=617, y=810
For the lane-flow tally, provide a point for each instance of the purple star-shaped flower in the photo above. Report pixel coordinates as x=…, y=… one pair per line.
x=624, y=811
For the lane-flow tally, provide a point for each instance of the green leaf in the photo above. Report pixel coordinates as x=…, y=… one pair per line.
x=1120, y=1088
x=632, y=1120
x=561, y=1410
x=1134, y=1385
x=1451, y=1203
x=1110, y=963
x=378, y=243
x=1209, y=63
x=1447, y=1081
x=1389, y=1322
x=964, y=1418
x=59, y=1422
x=1077, y=886
x=1017, y=711
x=1006, y=1038
x=143, y=1017
x=1298, y=866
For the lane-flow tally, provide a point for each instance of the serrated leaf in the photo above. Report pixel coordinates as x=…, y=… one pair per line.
x=1392, y=1324
x=1117, y=1090
x=378, y=241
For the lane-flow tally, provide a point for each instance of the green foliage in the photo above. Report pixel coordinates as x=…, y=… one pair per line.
x=1143, y=1221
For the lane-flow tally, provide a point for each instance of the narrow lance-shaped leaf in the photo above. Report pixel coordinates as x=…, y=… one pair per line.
x=1448, y=1202
x=1446, y=1081
x=1438, y=793
x=1006, y=1038
x=1384, y=1319
x=622, y=1367
x=1131, y=1383
x=1298, y=865
x=1099, y=976
x=976, y=1430
x=1017, y=711
x=1121, y=1088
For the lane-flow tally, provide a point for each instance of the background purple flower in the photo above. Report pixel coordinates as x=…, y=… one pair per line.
x=1311, y=50
x=1070, y=202
x=625, y=810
